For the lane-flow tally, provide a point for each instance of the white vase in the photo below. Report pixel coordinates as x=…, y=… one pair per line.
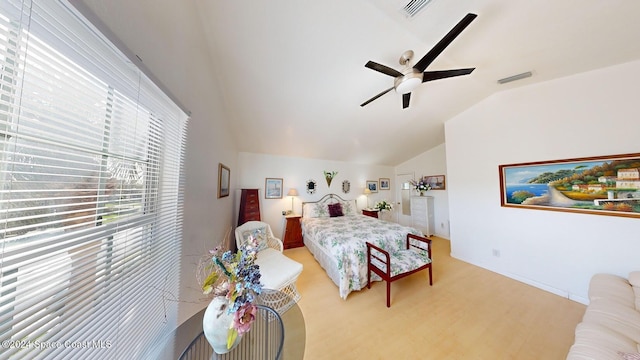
x=216, y=323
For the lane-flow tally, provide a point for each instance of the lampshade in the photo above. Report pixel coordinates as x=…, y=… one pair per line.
x=292, y=192
x=367, y=191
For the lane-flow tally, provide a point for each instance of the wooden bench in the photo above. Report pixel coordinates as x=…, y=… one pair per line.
x=391, y=267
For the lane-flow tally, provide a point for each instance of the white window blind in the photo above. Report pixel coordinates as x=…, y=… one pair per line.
x=91, y=158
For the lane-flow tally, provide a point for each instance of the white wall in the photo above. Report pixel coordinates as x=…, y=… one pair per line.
x=588, y=114
x=295, y=172
x=432, y=162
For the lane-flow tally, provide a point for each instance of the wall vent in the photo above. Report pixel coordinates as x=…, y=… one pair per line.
x=413, y=7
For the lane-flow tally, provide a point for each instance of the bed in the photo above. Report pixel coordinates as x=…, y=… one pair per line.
x=337, y=239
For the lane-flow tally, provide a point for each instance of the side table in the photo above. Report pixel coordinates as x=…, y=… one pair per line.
x=292, y=232
x=370, y=212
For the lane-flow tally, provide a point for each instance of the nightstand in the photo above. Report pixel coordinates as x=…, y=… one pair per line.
x=292, y=232
x=370, y=212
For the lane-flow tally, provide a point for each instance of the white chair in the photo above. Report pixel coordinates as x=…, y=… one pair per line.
x=278, y=273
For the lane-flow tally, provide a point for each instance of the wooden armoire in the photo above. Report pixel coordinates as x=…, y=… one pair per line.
x=249, y=206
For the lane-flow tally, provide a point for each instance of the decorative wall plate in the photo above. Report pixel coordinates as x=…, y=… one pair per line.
x=346, y=186
x=311, y=186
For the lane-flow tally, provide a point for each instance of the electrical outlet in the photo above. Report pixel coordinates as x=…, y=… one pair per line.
x=496, y=252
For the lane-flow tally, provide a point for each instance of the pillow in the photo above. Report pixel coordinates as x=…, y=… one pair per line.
x=629, y=356
x=315, y=210
x=335, y=210
x=348, y=208
x=634, y=280
x=260, y=234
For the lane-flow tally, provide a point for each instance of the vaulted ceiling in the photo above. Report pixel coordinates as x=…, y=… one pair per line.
x=292, y=72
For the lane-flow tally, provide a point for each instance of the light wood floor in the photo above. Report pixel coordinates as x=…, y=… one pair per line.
x=468, y=313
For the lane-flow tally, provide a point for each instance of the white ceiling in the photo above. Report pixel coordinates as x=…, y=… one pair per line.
x=293, y=75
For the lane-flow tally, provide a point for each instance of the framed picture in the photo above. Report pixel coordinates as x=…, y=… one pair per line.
x=372, y=185
x=273, y=188
x=224, y=175
x=603, y=185
x=436, y=182
x=384, y=184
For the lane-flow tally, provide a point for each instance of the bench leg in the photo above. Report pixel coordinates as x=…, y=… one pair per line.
x=430, y=277
x=388, y=293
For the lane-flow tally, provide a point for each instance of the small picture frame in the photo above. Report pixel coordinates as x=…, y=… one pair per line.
x=385, y=183
x=273, y=188
x=224, y=175
x=372, y=185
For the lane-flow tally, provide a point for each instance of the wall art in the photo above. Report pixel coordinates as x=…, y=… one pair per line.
x=385, y=183
x=602, y=185
x=224, y=175
x=435, y=182
x=372, y=185
x=273, y=188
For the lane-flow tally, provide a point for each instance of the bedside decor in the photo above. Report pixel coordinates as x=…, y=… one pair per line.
x=421, y=186
x=273, y=188
x=234, y=280
x=329, y=176
x=311, y=186
x=603, y=185
x=385, y=183
x=293, y=193
x=223, y=180
x=346, y=186
x=383, y=205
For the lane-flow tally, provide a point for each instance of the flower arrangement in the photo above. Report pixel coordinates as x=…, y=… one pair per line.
x=236, y=277
x=383, y=205
x=420, y=185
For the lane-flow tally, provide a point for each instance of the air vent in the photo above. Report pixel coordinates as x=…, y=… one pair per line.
x=413, y=7
x=524, y=75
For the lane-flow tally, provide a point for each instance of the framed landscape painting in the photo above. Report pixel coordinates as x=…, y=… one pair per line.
x=436, y=182
x=603, y=185
x=273, y=188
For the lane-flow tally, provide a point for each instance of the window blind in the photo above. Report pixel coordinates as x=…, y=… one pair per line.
x=91, y=158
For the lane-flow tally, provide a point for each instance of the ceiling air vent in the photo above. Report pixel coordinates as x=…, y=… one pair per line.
x=413, y=7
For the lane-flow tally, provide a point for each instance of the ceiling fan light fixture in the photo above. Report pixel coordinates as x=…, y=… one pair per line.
x=408, y=82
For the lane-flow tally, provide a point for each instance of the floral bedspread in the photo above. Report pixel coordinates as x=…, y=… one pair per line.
x=344, y=239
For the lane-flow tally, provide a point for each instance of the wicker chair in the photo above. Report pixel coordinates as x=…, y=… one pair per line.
x=393, y=266
x=278, y=272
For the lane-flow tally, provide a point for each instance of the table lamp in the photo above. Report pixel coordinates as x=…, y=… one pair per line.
x=367, y=192
x=292, y=192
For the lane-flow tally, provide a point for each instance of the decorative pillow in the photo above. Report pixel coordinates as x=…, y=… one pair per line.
x=335, y=210
x=629, y=356
x=634, y=280
x=348, y=208
x=260, y=234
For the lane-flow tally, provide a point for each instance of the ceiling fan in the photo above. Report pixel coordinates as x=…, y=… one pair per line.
x=410, y=77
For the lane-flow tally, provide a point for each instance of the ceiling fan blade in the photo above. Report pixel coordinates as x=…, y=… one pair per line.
x=446, y=40
x=383, y=69
x=405, y=100
x=436, y=75
x=377, y=96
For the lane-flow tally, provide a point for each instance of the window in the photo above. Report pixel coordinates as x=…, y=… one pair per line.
x=91, y=154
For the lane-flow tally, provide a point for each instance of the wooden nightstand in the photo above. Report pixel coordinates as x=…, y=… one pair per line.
x=292, y=232
x=372, y=213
